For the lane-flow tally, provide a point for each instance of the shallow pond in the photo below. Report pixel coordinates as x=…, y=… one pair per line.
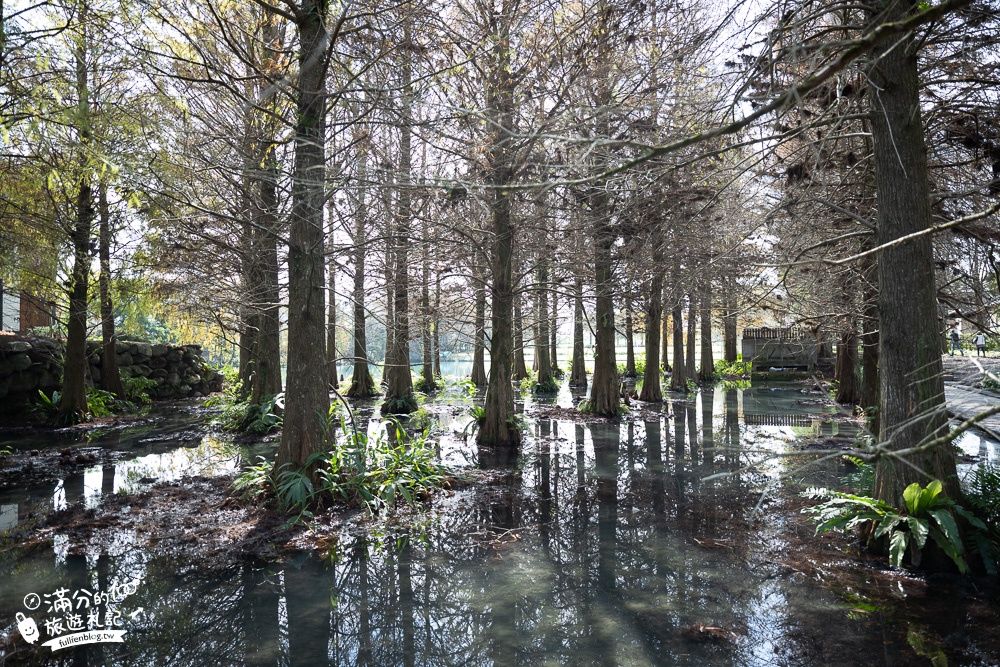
x=662, y=540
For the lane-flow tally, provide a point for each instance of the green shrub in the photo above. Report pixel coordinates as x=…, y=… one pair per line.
x=863, y=477
x=640, y=366
x=738, y=368
x=984, y=493
x=549, y=386
x=422, y=385
x=927, y=515
x=478, y=414
x=375, y=473
x=422, y=421
x=137, y=389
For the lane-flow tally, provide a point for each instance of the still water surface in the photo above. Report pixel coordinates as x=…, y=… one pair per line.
x=650, y=542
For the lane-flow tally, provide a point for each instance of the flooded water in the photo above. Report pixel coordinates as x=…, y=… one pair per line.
x=656, y=541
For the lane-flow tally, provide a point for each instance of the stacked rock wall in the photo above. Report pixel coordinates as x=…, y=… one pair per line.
x=28, y=365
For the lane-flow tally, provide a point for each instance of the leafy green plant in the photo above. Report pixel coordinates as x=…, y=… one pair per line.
x=254, y=481
x=640, y=366
x=422, y=421
x=375, y=473
x=984, y=493
x=100, y=403
x=478, y=414
x=729, y=369
x=527, y=382
x=422, y=385
x=47, y=407
x=138, y=390
x=928, y=515
x=862, y=478
x=548, y=386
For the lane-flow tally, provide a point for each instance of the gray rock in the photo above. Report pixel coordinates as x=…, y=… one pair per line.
x=19, y=362
x=145, y=349
x=15, y=347
x=22, y=383
x=125, y=359
x=184, y=390
x=159, y=350
x=122, y=347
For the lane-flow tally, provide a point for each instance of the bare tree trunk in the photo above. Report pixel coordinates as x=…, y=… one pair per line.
x=665, y=329
x=706, y=371
x=689, y=361
x=437, y=323
x=499, y=427
x=267, y=380
x=545, y=381
x=729, y=325
x=554, y=332
x=331, y=311
x=629, y=341
x=848, y=390
x=399, y=398
x=110, y=376
x=578, y=367
x=651, y=390
x=869, y=353
x=604, y=389
x=307, y=398
x=520, y=368
x=911, y=393
x=427, y=370
x=479, y=345
x=73, y=400
x=678, y=379
x=362, y=383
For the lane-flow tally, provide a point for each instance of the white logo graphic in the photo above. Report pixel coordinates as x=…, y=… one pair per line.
x=26, y=625
x=85, y=617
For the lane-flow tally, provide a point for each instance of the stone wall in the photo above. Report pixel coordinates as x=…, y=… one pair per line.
x=28, y=365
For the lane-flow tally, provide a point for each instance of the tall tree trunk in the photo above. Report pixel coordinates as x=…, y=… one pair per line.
x=629, y=341
x=651, y=390
x=706, y=372
x=331, y=311
x=678, y=378
x=604, y=389
x=362, y=383
x=520, y=368
x=499, y=427
x=73, y=401
x=437, y=323
x=111, y=378
x=578, y=366
x=307, y=397
x=554, y=332
x=911, y=392
x=869, y=353
x=665, y=334
x=427, y=370
x=267, y=379
x=545, y=381
x=479, y=344
x=729, y=326
x=848, y=390
x=689, y=360
x=399, y=398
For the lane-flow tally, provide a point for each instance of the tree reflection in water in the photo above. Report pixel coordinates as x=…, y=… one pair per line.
x=604, y=547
